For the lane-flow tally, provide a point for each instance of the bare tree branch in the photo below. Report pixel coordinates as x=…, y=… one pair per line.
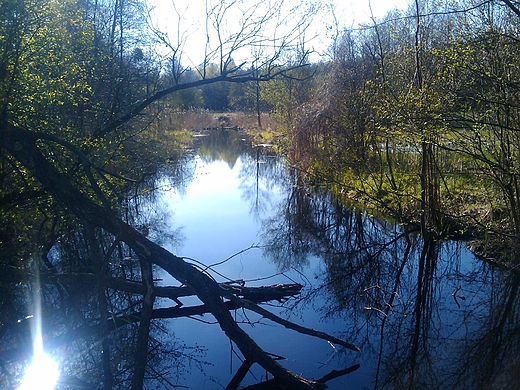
x=22, y=145
x=229, y=76
x=513, y=7
x=288, y=324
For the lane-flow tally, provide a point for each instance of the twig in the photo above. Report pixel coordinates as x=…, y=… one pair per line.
x=288, y=324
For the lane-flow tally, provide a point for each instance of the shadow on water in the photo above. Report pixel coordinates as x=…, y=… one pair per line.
x=425, y=313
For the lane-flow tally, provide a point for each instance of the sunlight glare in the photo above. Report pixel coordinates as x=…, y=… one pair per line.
x=42, y=373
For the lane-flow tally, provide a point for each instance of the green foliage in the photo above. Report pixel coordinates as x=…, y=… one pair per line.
x=415, y=119
x=187, y=98
x=65, y=72
x=49, y=67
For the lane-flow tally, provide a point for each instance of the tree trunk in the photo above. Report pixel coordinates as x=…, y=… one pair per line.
x=22, y=144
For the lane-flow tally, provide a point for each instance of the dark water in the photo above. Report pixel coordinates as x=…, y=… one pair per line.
x=426, y=314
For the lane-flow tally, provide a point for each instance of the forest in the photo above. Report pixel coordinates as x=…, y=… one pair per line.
x=415, y=117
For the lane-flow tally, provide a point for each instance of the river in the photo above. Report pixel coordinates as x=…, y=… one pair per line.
x=426, y=314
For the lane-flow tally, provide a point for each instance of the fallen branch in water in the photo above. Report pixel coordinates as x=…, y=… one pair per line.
x=274, y=384
x=264, y=294
x=91, y=207
x=288, y=324
x=277, y=292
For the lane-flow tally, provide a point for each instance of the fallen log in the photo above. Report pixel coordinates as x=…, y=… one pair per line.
x=274, y=384
x=288, y=324
x=277, y=292
x=269, y=293
x=23, y=145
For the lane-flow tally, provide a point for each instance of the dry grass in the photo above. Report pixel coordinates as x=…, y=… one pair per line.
x=199, y=119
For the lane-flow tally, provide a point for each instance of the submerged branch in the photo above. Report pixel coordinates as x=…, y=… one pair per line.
x=116, y=322
x=290, y=325
x=22, y=145
x=274, y=384
x=278, y=292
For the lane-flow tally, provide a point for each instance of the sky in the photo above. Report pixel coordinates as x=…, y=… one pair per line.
x=360, y=10
x=184, y=21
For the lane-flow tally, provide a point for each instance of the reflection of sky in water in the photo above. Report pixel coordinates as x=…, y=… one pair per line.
x=217, y=222
x=214, y=218
x=218, y=218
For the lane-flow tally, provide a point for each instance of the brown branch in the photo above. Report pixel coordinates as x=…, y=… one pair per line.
x=274, y=384
x=513, y=7
x=290, y=325
x=112, y=324
x=279, y=292
x=239, y=375
x=336, y=374
x=21, y=144
x=363, y=27
x=141, y=351
x=228, y=76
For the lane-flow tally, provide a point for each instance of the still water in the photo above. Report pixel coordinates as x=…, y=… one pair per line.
x=425, y=314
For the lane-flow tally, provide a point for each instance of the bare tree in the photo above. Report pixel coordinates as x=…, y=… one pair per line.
x=44, y=151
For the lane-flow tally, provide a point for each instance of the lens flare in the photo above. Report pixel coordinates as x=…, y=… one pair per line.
x=43, y=372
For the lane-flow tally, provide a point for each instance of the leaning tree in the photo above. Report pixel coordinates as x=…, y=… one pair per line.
x=80, y=87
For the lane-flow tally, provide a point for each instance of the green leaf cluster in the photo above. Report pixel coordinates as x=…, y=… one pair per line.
x=419, y=117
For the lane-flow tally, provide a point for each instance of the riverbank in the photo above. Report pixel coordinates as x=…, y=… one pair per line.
x=468, y=206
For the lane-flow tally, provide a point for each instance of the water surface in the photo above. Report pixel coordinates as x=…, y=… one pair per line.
x=425, y=314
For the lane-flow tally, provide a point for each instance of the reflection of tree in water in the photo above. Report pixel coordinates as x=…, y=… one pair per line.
x=91, y=322
x=492, y=355
x=98, y=313
x=424, y=314
x=290, y=235
x=262, y=175
x=175, y=175
x=221, y=145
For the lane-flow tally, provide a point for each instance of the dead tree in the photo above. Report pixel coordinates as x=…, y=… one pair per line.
x=22, y=145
